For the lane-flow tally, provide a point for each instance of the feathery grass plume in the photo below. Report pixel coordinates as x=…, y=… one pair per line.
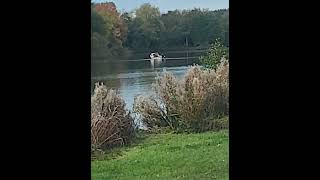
x=194, y=103
x=111, y=124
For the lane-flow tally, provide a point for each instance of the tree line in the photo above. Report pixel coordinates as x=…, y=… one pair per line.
x=146, y=29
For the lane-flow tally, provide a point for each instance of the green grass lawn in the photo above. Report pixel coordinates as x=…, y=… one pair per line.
x=169, y=156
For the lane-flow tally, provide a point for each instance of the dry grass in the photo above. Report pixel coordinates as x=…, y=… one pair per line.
x=111, y=124
x=193, y=103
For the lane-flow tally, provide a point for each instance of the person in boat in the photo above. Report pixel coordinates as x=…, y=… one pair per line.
x=163, y=56
x=157, y=55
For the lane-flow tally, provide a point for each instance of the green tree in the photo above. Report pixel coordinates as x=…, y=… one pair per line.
x=97, y=23
x=173, y=33
x=216, y=53
x=108, y=31
x=145, y=28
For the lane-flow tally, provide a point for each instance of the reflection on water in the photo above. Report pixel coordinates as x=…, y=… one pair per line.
x=135, y=82
x=136, y=77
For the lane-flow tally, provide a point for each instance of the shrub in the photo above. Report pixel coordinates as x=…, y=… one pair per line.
x=216, y=53
x=111, y=124
x=187, y=104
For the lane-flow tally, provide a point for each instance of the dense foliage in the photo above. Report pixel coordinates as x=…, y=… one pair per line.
x=216, y=54
x=146, y=28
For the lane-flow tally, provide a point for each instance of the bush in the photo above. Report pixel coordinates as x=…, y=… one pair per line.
x=111, y=124
x=217, y=52
x=189, y=104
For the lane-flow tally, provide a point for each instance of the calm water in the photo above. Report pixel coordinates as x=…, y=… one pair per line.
x=136, y=77
x=136, y=82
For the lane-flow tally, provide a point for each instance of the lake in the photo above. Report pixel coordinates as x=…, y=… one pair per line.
x=136, y=76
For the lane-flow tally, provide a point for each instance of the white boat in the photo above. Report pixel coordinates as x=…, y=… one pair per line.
x=155, y=57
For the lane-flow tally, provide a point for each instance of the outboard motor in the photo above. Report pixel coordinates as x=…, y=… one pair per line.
x=163, y=57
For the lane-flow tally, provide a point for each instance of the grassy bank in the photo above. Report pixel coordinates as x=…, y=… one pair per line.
x=169, y=156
